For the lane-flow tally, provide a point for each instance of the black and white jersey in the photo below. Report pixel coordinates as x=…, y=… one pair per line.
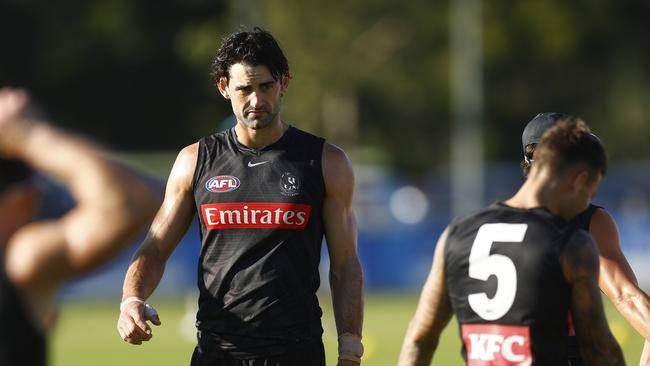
x=261, y=231
x=506, y=285
x=21, y=342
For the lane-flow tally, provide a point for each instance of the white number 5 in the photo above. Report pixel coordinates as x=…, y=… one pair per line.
x=482, y=265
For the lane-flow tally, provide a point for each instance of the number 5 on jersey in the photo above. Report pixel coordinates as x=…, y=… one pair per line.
x=482, y=265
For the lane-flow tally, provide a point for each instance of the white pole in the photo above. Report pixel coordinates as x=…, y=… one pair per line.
x=466, y=106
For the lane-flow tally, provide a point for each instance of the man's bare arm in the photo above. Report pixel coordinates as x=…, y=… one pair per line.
x=113, y=203
x=580, y=267
x=645, y=355
x=617, y=279
x=169, y=226
x=346, y=278
x=432, y=315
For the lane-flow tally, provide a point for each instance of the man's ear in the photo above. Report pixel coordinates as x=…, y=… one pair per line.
x=284, y=84
x=222, y=85
x=580, y=180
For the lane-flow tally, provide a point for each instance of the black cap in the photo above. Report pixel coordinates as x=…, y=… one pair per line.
x=12, y=171
x=537, y=126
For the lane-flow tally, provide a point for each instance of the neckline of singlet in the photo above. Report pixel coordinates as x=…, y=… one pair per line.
x=242, y=147
x=542, y=209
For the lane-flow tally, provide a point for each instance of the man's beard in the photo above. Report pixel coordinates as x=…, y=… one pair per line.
x=258, y=124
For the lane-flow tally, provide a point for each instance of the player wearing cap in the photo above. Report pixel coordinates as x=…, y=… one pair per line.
x=512, y=272
x=617, y=280
x=113, y=203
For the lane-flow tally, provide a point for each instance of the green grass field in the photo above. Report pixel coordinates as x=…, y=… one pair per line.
x=86, y=335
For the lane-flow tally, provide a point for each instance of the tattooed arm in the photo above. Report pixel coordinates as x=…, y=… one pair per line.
x=580, y=266
x=432, y=315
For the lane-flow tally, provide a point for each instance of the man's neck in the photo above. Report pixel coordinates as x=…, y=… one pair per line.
x=260, y=138
x=536, y=192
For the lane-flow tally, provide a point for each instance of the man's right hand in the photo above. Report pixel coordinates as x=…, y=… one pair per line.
x=132, y=324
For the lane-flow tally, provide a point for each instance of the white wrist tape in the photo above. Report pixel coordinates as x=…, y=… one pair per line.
x=350, y=347
x=130, y=300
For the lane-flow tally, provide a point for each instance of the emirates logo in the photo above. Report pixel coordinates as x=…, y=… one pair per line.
x=255, y=215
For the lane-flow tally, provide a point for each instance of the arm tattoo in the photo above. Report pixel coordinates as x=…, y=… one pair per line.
x=580, y=265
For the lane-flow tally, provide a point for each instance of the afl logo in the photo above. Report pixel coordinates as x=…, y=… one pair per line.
x=222, y=184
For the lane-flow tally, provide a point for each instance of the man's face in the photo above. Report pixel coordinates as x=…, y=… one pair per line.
x=254, y=95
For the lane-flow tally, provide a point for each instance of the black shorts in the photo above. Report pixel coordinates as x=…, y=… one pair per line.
x=308, y=354
x=575, y=361
x=573, y=350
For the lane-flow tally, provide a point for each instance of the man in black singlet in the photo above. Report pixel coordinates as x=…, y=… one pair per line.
x=616, y=280
x=265, y=193
x=113, y=203
x=512, y=272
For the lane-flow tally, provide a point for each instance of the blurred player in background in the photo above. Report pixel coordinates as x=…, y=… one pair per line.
x=617, y=280
x=512, y=272
x=113, y=203
x=265, y=193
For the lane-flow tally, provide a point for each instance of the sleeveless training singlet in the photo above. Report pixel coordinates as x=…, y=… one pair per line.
x=21, y=343
x=506, y=285
x=261, y=232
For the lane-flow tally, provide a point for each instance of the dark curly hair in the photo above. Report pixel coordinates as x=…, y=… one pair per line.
x=256, y=47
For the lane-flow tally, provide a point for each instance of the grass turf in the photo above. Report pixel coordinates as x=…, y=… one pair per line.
x=87, y=335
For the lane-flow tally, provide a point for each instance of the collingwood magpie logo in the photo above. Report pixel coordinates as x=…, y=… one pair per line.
x=289, y=184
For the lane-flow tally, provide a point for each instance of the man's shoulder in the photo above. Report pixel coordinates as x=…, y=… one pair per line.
x=578, y=237
x=189, y=151
x=338, y=174
x=580, y=254
x=185, y=163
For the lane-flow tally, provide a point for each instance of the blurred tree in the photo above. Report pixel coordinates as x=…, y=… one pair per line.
x=578, y=57
x=391, y=60
x=132, y=73
x=372, y=76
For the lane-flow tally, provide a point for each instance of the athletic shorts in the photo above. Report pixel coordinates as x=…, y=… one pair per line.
x=573, y=350
x=575, y=361
x=309, y=354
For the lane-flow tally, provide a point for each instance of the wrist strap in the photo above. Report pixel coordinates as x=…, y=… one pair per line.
x=130, y=300
x=350, y=347
x=350, y=358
